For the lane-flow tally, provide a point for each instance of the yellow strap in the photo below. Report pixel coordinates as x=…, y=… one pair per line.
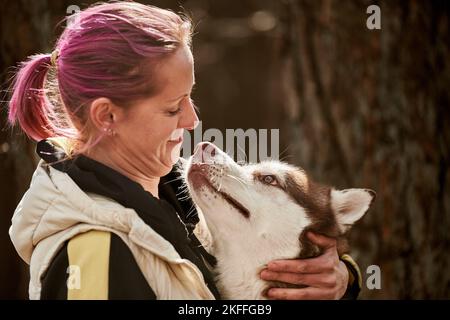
x=348, y=259
x=88, y=266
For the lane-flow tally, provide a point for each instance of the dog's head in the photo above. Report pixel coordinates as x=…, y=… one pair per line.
x=268, y=205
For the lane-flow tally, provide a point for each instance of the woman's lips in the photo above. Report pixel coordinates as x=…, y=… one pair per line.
x=176, y=136
x=177, y=141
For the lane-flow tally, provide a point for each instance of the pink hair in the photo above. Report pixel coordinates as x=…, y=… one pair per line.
x=110, y=51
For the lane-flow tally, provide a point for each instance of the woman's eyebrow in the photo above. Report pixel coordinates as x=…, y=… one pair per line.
x=183, y=95
x=176, y=99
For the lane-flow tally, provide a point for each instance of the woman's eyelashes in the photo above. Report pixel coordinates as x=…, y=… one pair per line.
x=180, y=106
x=174, y=112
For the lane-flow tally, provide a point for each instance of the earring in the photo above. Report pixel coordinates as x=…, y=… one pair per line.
x=109, y=132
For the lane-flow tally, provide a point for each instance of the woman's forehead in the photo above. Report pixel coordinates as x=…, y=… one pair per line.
x=176, y=74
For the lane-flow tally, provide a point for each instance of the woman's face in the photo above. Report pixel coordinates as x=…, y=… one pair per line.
x=150, y=135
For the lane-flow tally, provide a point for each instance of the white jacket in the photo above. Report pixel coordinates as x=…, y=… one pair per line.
x=55, y=209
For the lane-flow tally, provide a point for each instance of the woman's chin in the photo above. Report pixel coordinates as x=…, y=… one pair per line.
x=163, y=169
x=168, y=163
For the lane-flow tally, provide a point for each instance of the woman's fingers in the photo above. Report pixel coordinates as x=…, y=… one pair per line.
x=322, y=241
x=313, y=280
x=325, y=276
x=321, y=264
x=309, y=293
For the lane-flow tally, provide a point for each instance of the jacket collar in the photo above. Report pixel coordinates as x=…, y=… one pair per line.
x=94, y=177
x=170, y=220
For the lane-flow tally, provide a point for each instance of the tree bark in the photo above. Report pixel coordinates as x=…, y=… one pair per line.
x=372, y=110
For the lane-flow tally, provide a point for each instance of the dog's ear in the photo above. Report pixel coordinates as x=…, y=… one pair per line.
x=350, y=205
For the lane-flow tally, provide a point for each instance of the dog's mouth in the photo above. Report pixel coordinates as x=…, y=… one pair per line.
x=198, y=177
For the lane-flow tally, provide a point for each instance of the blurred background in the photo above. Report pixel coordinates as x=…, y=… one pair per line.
x=355, y=108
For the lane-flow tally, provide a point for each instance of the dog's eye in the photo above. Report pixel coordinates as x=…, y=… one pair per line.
x=269, y=179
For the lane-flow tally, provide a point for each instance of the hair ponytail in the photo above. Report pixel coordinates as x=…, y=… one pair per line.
x=29, y=104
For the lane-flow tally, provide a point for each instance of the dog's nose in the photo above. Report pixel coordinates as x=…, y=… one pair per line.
x=209, y=147
x=205, y=151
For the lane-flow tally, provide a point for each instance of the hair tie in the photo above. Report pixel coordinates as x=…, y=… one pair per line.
x=54, y=57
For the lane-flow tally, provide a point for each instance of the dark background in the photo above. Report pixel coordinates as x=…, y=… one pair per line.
x=355, y=108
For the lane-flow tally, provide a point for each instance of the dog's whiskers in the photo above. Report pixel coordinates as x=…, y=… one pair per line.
x=242, y=182
x=220, y=185
x=243, y=151
x=173, y=180
x=282, y=157
x=182, y=190
x=183, y=198
x=191, y=211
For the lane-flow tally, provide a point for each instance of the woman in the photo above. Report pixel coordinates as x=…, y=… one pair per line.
x=108, y=108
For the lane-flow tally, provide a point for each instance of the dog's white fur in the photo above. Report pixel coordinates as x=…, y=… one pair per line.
x=244, y=245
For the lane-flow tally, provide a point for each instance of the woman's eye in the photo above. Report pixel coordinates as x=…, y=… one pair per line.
x=175, y=112
x=269, y=179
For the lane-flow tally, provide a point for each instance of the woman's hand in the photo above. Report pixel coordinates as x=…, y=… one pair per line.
x=325, y=276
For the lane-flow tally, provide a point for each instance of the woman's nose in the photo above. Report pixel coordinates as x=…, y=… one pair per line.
x=190, y=119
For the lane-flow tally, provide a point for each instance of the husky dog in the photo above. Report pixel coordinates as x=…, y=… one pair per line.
x=261, y=212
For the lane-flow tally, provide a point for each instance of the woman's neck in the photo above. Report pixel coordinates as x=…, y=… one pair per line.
x=126, y=168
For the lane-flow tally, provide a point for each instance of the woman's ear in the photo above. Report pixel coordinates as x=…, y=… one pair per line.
x=104, y=114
